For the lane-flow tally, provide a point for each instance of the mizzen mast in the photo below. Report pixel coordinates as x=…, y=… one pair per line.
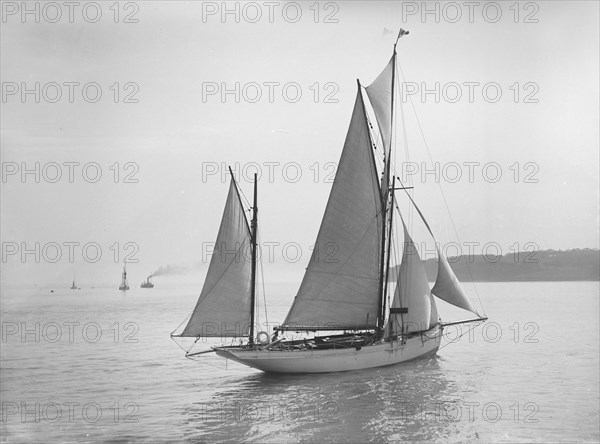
x=254, y=227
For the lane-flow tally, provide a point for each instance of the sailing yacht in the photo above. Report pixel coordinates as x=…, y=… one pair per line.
x=124, y=284
x=74, y=286
x=344, y=310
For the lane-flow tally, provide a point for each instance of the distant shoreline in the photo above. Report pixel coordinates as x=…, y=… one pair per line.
x=537, y=266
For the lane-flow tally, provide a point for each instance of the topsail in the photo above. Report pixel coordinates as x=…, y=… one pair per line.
x=380, y=94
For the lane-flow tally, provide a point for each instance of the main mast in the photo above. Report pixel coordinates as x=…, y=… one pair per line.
x=383, y=198
x=384, y=267
x=253, y=275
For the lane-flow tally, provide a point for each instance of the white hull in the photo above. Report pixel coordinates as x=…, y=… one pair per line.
x=336, y=360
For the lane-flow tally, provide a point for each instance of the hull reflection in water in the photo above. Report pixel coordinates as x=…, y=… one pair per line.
x=330, y=407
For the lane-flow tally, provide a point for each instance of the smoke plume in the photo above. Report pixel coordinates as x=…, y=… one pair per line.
x=168, y=270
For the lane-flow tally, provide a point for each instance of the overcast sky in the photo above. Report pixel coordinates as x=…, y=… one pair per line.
x=541, y=134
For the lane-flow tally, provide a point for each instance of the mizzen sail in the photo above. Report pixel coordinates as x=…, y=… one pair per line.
x=341, y=285
x=223, y=308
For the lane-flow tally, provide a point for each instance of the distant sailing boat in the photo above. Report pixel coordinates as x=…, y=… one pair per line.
x=124, y=285
x=342, y=304
x=73, y=286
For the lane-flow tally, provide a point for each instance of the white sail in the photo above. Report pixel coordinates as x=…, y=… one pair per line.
x=448, y=288
x=380, y=96
x=412, y=293
x=413, y=287
x=341, y=285
x=223, y=308
x=435, y=316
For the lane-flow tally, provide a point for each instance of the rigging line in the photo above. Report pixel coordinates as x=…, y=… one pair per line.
x=205, y=361
x=454, y=340
x=398, y=321
x=262, y=278
x=377, y=141
x=407, y=157
x=442, y=192
x=243, y=200
x=180, y=342
x=393, y=254
x=182, y=322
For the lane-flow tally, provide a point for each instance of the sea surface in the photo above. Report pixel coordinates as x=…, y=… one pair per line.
x=98, y=365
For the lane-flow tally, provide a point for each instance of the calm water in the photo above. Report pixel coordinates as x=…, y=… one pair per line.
x=531, y=375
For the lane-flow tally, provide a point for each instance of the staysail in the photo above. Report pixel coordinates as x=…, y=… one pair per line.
x=447, y=286
x=223, y=308
x=340, y=288
x=412, y=298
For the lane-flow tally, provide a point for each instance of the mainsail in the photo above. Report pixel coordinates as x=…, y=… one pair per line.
x=340, y=288
x=223, y=308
